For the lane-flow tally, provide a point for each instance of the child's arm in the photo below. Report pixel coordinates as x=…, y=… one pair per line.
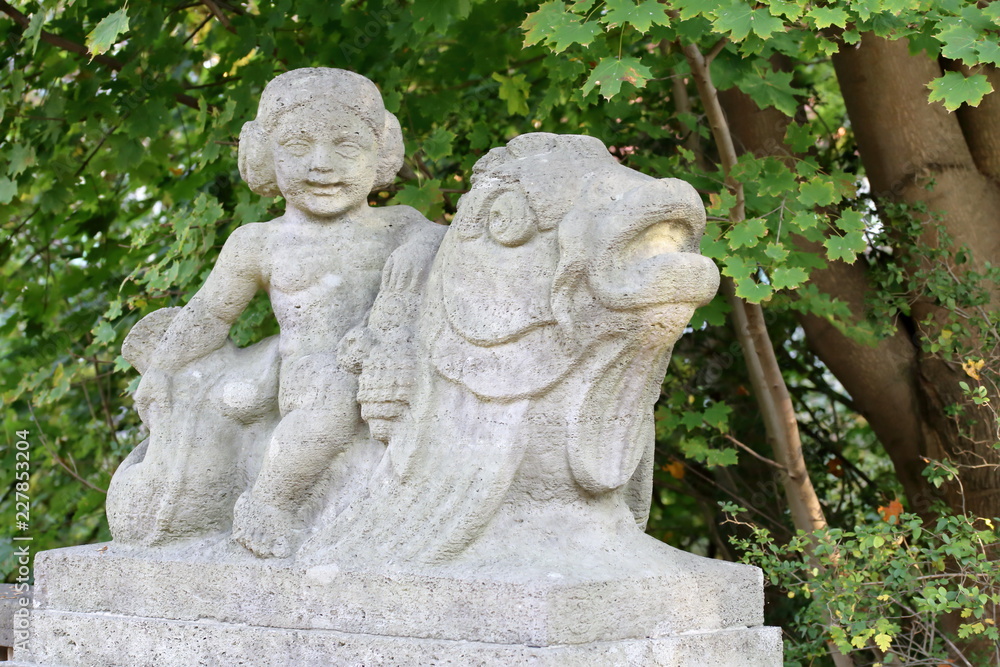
x=203, y=324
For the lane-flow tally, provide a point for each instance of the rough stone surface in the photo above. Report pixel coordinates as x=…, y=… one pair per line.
x=129, y=641
x=446, y=454
x=12, y=598
x=483, y=606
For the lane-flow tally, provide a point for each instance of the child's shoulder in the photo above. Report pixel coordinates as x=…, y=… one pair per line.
x=248, y=241
x=253, y=229
x=251, y=233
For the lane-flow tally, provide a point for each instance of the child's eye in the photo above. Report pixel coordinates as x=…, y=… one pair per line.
x=297, y=147
x=349, y=150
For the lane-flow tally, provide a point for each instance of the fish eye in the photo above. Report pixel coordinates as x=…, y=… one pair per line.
x=511, y=220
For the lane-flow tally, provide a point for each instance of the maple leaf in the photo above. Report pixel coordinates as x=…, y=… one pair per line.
x=8, y=189
x=514, y=91
x=611, y=72
x=553, y=24
x=958, y=42
x=817, y=192
x=788, y=277
x=753, y=291
x=846, y=247
x=747, y=233
x=642, y=16
x=740, y=20
x=828, y=16
x=890, y=513
x=102, y=37
x=955, y=89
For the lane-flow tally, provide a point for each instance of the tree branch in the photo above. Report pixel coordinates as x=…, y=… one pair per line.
x=716, y=50
x=769, y=385
x=79, y=49
x=751, y=330
x=223, y=19
x=197, y=30
x=58, y=459
x=753, y=453
x=60, y=42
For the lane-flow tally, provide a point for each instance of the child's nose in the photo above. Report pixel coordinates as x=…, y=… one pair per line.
x=325, y=159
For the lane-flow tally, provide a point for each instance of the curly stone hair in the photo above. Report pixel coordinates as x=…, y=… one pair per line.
x=297, y=88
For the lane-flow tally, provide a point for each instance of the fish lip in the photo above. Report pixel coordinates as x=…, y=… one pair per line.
x=679, y=237
x=655, y=262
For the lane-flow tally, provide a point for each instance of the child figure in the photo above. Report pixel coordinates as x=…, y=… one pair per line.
x=322, y=139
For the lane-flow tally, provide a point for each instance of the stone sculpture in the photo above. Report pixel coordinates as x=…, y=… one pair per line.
x=445, y=454
x=323, y=140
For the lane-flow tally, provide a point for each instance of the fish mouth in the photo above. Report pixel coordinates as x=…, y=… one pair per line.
x=661, y=237
x=654, y=258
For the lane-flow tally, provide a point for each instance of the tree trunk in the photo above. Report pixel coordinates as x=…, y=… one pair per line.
x=906, y=144
x=981, y=125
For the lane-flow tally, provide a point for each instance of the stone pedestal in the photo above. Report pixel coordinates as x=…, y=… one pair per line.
x=93, y=607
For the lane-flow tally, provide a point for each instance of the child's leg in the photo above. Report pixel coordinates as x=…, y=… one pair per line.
x=322, y=423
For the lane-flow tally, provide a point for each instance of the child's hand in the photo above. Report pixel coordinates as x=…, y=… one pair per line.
x=153, y=392
x=354, y=347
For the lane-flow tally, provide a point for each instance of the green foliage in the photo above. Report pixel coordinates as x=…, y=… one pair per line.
x=553, y=25
x=889, y=580
x=962, y=330
x=119, y=184
x=642, y=17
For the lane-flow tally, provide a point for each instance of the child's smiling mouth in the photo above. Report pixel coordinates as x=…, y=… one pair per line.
x=324, y=188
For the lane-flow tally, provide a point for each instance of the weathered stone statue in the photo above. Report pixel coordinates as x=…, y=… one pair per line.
x=445, y=454
x=322, y=140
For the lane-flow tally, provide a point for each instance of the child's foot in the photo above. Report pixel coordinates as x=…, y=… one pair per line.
x=264, y=529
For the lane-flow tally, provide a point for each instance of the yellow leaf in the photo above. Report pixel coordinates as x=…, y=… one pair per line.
x=242, y=61
x=883, y=641
x=972, y=368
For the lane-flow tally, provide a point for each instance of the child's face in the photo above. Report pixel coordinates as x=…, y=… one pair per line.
x=325, y=159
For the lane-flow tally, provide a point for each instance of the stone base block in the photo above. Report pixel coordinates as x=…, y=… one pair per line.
x=99, y=605
x=109, y=640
